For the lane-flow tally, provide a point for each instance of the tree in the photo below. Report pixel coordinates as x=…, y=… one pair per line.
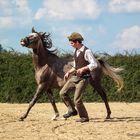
x=1, y=48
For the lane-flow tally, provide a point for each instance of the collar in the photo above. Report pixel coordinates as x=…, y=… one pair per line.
x=81, y=49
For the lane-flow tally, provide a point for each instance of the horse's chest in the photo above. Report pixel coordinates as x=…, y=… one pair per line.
x=40, y=74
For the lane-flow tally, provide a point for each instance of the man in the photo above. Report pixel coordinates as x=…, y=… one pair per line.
x=84, y=63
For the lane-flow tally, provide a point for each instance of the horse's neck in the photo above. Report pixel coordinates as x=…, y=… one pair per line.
x=39, y=57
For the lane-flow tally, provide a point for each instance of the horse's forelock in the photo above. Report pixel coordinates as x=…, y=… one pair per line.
x=33, y=34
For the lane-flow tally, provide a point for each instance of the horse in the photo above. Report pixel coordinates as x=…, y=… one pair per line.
x=50, y=70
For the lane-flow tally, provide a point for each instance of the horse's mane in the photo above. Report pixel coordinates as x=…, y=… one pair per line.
x=47, y=43
x=52, y=52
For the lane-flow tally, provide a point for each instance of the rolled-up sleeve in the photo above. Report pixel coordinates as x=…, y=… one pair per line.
x=91, y=59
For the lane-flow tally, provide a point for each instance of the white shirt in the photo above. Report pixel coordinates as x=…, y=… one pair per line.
x=88, y=57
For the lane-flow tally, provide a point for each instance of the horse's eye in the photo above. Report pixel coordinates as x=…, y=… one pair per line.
x=31, y=37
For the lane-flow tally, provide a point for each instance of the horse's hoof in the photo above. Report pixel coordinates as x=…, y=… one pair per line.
x=108, y=117
x=21, y=119
x=55, y=117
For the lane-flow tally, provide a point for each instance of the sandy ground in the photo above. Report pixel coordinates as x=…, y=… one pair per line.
x=124, y=125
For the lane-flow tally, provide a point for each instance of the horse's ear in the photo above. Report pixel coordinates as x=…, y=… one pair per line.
x=44, y=34
x=33, y=30
x=48, y=34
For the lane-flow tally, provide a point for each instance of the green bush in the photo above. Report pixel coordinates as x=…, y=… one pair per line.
x=17, y=82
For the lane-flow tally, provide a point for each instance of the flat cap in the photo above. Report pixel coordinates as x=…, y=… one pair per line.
x=75, y=36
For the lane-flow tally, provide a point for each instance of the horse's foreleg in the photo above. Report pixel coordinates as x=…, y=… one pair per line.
x=97, y=86
x=52, y=100
x=34, y=100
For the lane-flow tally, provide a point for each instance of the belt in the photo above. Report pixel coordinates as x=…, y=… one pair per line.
x=85, y=76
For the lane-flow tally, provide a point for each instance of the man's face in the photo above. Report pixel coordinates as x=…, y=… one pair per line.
x=73, y=44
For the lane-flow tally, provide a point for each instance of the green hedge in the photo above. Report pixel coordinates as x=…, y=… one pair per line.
x=17, y=82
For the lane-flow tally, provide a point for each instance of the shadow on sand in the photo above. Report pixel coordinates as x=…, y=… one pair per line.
x=116, y=119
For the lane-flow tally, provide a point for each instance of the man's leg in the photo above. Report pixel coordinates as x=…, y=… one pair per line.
x=67, y=100
x=80, y=88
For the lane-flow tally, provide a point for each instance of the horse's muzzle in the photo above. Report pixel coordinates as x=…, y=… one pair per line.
x=24, y=42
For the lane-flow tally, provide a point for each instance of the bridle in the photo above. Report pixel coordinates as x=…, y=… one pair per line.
x=31, y=41
x=45, y=38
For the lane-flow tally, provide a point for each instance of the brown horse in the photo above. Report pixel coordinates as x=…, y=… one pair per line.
x=50, y=70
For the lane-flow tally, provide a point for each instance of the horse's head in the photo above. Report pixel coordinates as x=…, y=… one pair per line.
x=34, y=38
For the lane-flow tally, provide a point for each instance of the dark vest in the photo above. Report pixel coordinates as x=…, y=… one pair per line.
x=80, y=60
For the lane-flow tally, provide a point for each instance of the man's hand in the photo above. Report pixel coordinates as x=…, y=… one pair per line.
x=82, y=70
x=66, y=76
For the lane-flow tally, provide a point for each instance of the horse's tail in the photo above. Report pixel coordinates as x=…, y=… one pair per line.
x=112, y=72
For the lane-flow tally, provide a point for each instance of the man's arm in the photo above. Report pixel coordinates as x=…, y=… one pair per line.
x=92, y=62
x=66, y=76
x=72, y=70
x=82, y=70
x=91, y=59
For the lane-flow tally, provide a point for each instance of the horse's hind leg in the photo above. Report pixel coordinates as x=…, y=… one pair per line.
x=52, y=100
x=97, y=86
x=38, y=93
